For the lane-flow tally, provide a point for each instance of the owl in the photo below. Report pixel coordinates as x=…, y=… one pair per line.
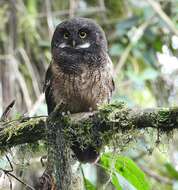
x=80, y=73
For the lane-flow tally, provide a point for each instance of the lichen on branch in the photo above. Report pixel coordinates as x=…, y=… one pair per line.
x=96, y=128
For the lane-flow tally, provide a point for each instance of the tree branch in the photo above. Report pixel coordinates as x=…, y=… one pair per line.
x=95, y=128
x=16, y=133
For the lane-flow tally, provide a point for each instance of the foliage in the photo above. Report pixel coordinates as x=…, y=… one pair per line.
x=120, y=165
x=89, y=185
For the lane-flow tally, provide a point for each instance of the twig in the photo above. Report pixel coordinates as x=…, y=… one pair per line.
x=111, y=171
x=49, y=18
x=19, y=180
x=8, y=173
x=11, y=170
x=103, y=7
x=31, y=71
x=157, y=8
x=22, y=83
x=156, y=176
x=136, y=37
x=122, y=60
x=7, y=111
x=72, y=8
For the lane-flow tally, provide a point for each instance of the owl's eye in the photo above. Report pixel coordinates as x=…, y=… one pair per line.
x=82, y=34
x=66, y=35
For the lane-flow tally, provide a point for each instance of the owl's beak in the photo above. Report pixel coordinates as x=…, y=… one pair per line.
x=73, y=43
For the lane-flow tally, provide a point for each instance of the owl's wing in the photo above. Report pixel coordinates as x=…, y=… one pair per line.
x=47, y=89
x=111, y=74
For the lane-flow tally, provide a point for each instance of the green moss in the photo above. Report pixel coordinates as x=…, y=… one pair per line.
x=166, y=119
x=107, y=108
x=113, y=124
x=105, y=126
x=19, y=133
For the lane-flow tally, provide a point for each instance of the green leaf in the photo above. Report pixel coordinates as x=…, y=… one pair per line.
x=125, y=167
x=124, y=183
x=172, y=172
x=115, y=182
x=89, y=185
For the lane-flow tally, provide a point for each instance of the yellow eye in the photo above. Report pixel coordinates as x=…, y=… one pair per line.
x=82, y=34
x=66, y=35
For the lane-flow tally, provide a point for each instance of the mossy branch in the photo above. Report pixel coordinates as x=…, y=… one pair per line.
x=95, y=128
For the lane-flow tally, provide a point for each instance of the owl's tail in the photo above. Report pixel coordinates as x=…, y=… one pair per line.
x=86, y=155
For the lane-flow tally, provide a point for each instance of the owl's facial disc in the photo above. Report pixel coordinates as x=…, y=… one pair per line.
x=78, y=34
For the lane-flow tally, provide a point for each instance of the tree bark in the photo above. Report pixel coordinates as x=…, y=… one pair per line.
x=58, y=152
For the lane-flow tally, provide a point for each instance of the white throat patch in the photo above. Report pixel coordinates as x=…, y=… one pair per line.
x=81, y=46
x=63, y=45
x=85, y=45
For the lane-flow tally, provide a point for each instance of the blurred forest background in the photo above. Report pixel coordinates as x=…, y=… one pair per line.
x=143, y=45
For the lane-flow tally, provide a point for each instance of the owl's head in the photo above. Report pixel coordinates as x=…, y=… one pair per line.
x=79, y=34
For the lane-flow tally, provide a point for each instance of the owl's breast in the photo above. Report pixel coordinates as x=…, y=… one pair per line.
x=82, y=92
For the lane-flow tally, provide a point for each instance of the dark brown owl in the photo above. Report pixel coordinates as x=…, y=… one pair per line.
x=80, y=73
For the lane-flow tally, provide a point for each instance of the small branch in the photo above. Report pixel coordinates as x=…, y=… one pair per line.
x=7, y=111
x=136, y=37
x=31, y=71
x=19, y=180
x=9, y=174
x=157, y=8
x=73, y=7
x=156, y=176
x=21, y=81
x=16, y=133
x=49, y=18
